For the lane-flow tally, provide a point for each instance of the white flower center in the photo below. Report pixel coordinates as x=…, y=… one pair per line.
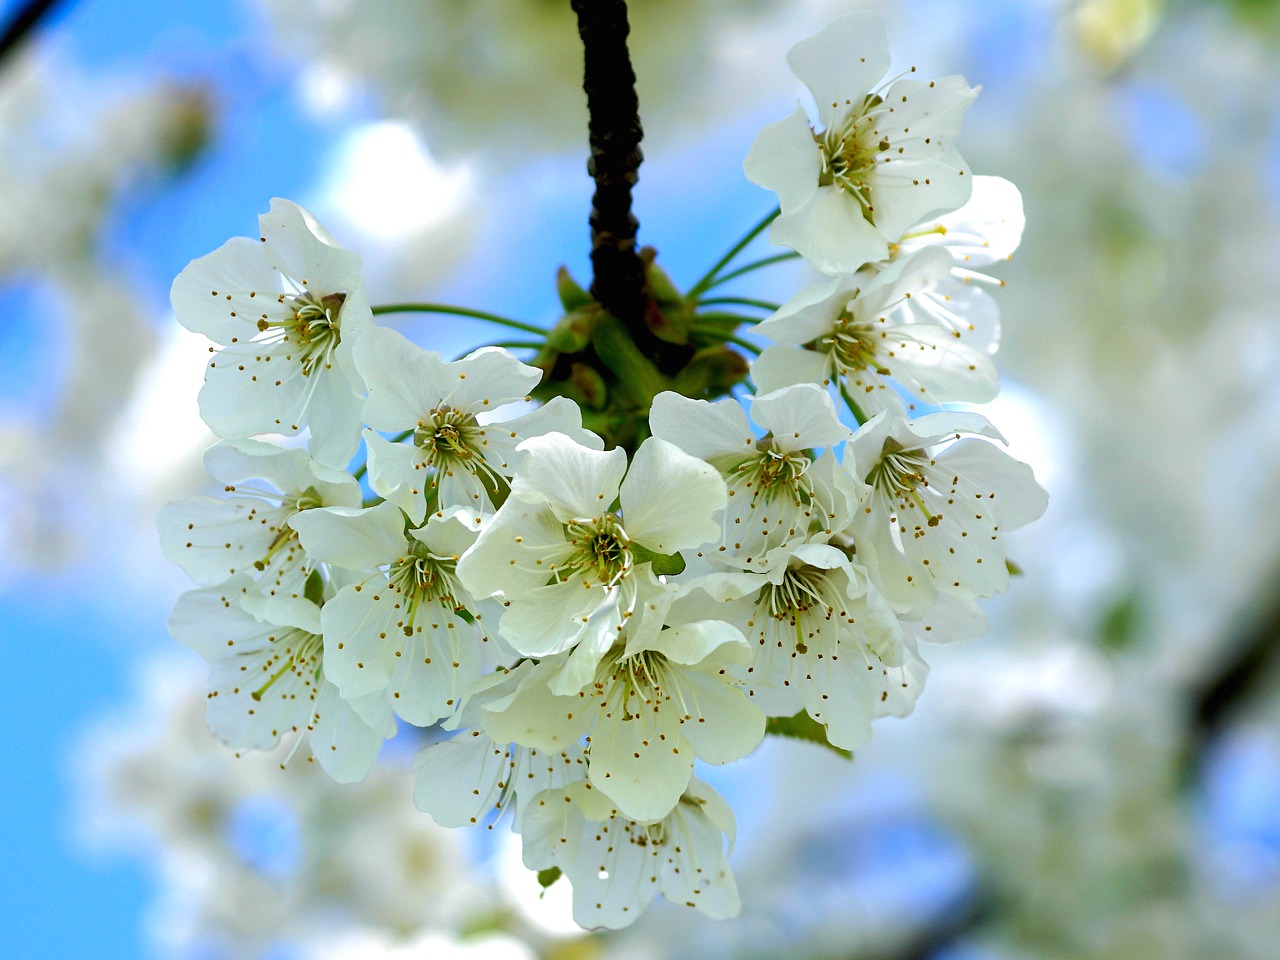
x=424, y=580
x=901, y=476
x=297, y=652
x=313, y=330
x=776, y=473
x=452, y=441
x=602, y=551
x=804, y=600
x=852, y=344
x=636, y=681
x=850, y=148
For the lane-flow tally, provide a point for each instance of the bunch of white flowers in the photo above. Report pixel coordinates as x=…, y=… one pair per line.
x=597, y=592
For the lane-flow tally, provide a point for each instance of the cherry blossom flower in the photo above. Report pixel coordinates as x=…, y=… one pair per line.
x=286, y=311
x=402, y=630
x=647, y=711
x=269, y=679
x=572, y=567
x=883, y=161
x=779, y=492
x=617, y=865
x=248, y=533
x=934, y=520
x=458, y=452
x=823, y=640
x=852, y=330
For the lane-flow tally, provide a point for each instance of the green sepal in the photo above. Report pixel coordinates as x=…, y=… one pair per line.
x=572, y=296
x=548, y=876
x=591, y=386
x=635, y=373
x=710, y=373
x=1013, y=568
x=803, y=727
x=664, y=564
x=313, y=590
x=573, y=331
x=669, y=317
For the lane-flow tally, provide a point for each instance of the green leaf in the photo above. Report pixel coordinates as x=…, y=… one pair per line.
x=314, y=588
x=803, y=727
x=663, y=564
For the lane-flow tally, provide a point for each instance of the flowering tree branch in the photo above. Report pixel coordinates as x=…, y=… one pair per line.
x=615, y=134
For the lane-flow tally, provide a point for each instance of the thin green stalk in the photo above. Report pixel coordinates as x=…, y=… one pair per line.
x=852, y=404
x=741, y=302
x=712, y=316
x=752, y=266
x=727, y=337
x=457, y=312
x=709, y=277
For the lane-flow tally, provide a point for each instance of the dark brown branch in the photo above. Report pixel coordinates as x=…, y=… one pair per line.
x=610, y=83
x=26, y=19
x=1253, y=659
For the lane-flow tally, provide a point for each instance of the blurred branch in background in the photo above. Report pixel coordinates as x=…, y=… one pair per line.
x=27, y=18
x=1245, y=669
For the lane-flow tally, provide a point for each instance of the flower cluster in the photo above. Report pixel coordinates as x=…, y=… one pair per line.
x=588, y=623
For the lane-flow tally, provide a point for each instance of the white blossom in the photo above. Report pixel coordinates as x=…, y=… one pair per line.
x=934, y=519
x=248, y=532
x=852, y=330
x=458, y=453
x=269, y=679
x=286, y=310
x=823, y=640
x=883, y=161
x=571, y=566
x=779, y=492
x=617, y=865
x=400, y=629
x=647, y=711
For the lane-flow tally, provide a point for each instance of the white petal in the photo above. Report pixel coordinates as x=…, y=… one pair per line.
x=396, y=473
x=223, y=293
x=785, y=158
x=831, y=233
x=702, y=429
x=299, y=247
x=800, y=417
x=342, y=741
x=640, y=759
x=779, y=367
x=354, y=538
x=670, y=499
x=844, y=60
x=574, y=480
x=726, y=726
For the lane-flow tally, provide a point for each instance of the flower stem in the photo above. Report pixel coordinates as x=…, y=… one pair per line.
x=857, y=411
x=727, y=337
x=750, y=267
x=710, y=276
x=457, y=312
x=742, y=302
x=717, y=316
